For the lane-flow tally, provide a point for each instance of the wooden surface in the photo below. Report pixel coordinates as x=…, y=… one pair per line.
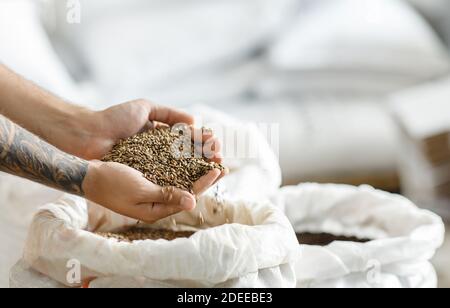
x=442, y=262
x=388, y=181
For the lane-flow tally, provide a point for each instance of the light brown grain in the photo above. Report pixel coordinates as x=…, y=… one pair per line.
x=155, y=153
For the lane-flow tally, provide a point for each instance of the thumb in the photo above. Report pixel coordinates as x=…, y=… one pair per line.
x=170, y=195
x=151, y=213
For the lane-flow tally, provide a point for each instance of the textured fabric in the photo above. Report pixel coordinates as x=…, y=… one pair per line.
x=227, y=252
x=404, y=238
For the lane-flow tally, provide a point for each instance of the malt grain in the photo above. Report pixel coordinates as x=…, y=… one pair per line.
x=161, y=156
x=141, y=234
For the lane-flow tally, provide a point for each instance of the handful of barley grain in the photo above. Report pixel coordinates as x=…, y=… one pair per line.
x=161, y=155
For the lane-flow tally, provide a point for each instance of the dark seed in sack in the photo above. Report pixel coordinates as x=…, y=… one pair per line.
x=324, y=239
x=160, y=155
x=143, y=234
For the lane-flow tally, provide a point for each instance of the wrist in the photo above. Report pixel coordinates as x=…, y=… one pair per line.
x=77, y=122
x=69, y=128
x=91, y=178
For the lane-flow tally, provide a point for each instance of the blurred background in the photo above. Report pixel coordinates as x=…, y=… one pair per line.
x=361, y=88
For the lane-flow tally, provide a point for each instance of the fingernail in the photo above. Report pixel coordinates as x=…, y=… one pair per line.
x=187, y=203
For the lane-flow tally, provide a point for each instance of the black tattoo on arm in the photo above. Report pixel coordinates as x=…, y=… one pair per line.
x=26, y=155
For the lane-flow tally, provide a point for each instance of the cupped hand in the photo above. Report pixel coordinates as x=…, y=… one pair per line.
x=100, y=131
x=126, y=192
x=105, y=128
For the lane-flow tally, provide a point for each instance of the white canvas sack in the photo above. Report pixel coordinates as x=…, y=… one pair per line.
x=404, y=238
x=256, y=249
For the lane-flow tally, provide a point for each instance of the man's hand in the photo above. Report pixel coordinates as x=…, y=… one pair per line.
x=75, y=130
x=101, y=130
x=125, y=191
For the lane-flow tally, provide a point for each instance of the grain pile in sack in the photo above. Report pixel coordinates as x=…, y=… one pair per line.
x=403, y=237
x=256, y=248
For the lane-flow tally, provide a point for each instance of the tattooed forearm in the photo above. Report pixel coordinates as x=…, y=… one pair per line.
x=26, y=155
